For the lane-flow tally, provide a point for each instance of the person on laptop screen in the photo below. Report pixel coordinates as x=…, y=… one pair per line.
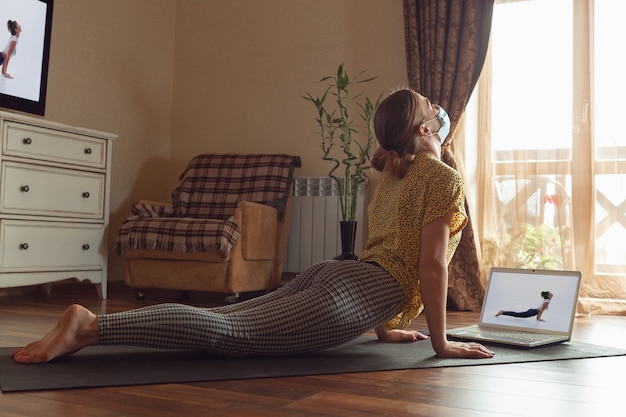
x=415, y=221
x=531, y=312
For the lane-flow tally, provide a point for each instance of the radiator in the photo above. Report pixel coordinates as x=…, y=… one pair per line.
x=315, y=215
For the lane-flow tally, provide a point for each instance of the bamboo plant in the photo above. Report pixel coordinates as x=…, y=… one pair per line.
x=337, y=128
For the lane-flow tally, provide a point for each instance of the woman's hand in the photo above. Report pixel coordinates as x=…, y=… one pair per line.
x=463, y=350
x=397, y=335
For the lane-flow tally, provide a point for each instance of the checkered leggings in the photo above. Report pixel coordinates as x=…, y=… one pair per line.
x=328, y=304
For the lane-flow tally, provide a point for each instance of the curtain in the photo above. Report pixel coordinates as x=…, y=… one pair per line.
x=446, y=43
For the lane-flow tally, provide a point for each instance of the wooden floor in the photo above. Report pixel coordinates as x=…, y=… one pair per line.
x=585, y=387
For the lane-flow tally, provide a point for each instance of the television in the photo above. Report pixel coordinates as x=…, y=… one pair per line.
x=24, y=76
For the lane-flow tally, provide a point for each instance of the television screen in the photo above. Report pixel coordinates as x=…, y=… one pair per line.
x=24, y=54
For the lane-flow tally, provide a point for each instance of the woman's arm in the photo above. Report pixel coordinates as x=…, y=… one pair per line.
x=543, y=307
x=433, y=275
x=5, y=64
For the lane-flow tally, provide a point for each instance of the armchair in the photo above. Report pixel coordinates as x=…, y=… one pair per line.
x=225, y=231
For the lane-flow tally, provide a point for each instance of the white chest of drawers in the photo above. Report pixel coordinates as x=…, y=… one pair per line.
x=54, y=202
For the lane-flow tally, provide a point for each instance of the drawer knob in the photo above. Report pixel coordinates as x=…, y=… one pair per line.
x=88, y=151
x=25, y=188
x=24, y=246
x=27, y=141
x=86, y=246
x=86, y=194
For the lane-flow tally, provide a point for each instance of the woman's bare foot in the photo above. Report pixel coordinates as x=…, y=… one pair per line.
x=77, y=328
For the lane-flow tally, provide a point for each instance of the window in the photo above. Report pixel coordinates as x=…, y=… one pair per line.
x=552, y=178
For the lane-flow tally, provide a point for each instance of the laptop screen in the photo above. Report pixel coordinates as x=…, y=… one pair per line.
x=515, y=298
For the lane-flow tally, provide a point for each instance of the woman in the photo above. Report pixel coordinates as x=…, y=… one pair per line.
x=10, y=49
x=417, y=214
x=531, y=312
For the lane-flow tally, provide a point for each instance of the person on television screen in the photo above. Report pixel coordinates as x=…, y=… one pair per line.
x=11, y=48
x=415, y=221
x=531, y=312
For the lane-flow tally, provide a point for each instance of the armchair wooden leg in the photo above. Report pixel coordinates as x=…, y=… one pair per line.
x=243, y=296
x=232, y=299
x=141, y=294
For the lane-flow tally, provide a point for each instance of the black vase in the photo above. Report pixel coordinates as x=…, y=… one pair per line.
x=348, y=234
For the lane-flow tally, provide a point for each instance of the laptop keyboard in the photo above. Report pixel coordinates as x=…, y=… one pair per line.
x=504, y=334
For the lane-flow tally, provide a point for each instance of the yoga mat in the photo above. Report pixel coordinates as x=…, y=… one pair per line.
x=105, y=366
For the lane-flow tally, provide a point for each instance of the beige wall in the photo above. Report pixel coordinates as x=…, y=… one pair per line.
x=241, y=67
x=111, y=69
x=174, y=78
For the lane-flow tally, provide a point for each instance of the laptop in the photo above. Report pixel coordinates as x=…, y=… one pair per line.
x=512, y=310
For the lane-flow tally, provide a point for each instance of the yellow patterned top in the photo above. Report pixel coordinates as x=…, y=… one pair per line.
x=398, y=212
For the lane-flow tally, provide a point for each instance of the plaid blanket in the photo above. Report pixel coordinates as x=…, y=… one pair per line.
x=212, y=184
x=200, y=218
